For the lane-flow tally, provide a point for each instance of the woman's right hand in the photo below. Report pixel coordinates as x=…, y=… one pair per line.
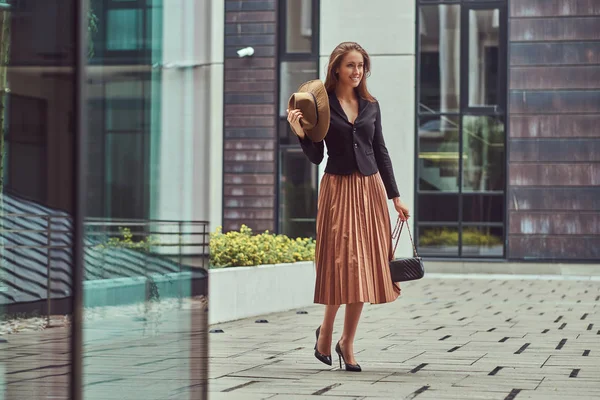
x=294, y=120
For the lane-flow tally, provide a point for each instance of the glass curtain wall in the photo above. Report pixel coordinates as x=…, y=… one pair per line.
x=97, y=300
x=298, y=63
x=144, y=304
x=37, y=120
x=461, y=128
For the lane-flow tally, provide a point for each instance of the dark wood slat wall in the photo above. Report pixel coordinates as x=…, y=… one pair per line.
x=554, y=143
x=249, y=165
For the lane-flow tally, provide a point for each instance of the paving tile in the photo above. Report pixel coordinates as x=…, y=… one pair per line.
x=476, y=337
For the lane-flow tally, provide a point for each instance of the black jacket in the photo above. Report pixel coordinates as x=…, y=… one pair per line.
x=354, y=147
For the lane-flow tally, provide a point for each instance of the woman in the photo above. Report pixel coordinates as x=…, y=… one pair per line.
x=353, y=224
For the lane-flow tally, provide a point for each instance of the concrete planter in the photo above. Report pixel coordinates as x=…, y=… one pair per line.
x=241, y=292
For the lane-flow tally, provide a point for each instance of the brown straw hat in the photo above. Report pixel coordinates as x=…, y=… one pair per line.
x=312, y=99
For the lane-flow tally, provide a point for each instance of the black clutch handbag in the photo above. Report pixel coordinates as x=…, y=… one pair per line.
x=405, y=269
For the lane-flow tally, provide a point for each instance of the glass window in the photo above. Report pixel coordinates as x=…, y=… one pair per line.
x=439, y=153
x=298, y=177
x=461, y=179
x=483, y=153
x=146, y=241
x=438, y=241
x=124, y=29
x=438, y=207
x=299, y=32
x=292, y=75
x=439, y=52
x=483, y=208
x=482, y=241
x=37, y=131
x=298, y=194
x=484, y=43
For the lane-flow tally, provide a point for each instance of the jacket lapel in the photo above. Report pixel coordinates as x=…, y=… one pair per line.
x=335, y=105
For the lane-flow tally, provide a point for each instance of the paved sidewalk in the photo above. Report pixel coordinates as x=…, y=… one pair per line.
x=449, y=338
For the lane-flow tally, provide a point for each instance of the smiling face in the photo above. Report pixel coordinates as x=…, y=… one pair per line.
x=351, y=69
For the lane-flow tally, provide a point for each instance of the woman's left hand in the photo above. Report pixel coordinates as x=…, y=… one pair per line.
x=402, y=209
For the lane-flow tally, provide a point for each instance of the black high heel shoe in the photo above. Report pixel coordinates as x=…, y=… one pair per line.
x=349, y=367
x=321, y=357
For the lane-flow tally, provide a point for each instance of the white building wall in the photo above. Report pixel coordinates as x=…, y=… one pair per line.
x=386, y=30
x=189, y=158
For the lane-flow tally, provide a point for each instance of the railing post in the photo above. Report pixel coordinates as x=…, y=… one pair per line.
x=180, y=235
x=49, y=269
x=204, y=255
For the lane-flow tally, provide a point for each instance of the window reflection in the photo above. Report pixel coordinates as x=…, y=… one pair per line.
x=299, y=26
x=37, y=89
x=438, y=241
x=438, y=153
x=298, y=194
x=483, y=146
x=439, y=53
x=484, y=38
x=293, y=74
x=461, y=131
x=482, y=241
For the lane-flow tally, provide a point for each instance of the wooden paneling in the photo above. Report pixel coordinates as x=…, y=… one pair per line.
x=544, y=8
x=544, y=54
x=571, y=199
x=554, y=223
x=550, y=101
x=555, y=126
x=565, y=247
x=250, y=108
x=537, y=174
x=584, y=77
x=555, y=150
x=554, y=29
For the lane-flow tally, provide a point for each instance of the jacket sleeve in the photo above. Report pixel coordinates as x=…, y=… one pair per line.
x=384, y=164
x=314, y=151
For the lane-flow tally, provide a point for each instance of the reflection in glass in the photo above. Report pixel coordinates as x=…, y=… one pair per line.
x=293, y=74
x=438, y=207
x=483, y=208
x=438, y=153
x=37, y=88
x=439, y=53
x=298, y=194
x=484, y=41
x=438, y=241
x=482, y=241
x=299, y=26
x=125, y=31
x=483, y=149
x=146, y=238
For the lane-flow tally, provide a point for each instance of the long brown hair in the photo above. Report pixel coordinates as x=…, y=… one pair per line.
x=335, y=59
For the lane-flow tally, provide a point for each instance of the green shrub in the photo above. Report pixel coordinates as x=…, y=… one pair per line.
x=126, y=241
x=243, y=248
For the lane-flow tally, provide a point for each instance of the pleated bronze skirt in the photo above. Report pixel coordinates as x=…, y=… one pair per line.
x=354, y=243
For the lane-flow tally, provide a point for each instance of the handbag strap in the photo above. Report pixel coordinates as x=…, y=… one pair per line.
x=396, y=235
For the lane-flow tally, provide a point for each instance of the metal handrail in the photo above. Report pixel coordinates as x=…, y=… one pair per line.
x=55, y=225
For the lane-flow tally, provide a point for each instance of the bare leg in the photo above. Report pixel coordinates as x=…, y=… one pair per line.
x=324, y=345
x=351, y=319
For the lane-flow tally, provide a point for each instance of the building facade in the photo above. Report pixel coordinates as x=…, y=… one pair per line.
x=488, y=106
